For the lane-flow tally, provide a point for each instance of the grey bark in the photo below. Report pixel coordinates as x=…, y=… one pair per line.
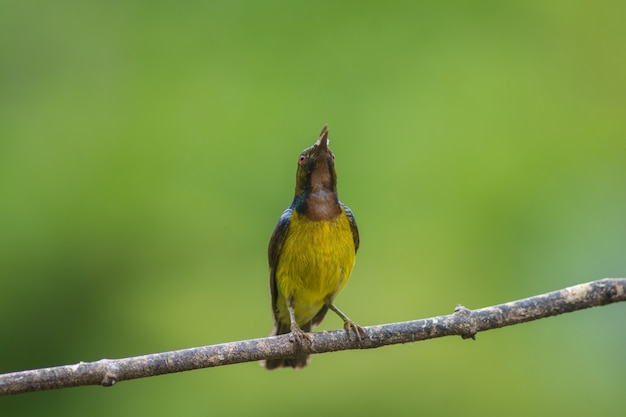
x=463, y=322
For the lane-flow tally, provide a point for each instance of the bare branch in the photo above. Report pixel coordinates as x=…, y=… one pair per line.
x=464, y=322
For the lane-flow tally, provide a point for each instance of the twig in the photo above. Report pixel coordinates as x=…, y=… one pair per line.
x=464, y=322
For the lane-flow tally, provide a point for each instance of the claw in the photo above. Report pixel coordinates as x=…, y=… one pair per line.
x=349, y=325
x=298, y=336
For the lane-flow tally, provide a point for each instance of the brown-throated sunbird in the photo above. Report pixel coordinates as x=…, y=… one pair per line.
x=311, y=252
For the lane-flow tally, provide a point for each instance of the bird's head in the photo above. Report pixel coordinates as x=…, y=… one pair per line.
x=316, y=168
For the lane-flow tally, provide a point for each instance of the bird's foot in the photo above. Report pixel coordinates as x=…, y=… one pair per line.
x=351, y=326
x=298, y=336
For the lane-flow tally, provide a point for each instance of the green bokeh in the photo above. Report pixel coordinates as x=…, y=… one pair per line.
x=148, y=148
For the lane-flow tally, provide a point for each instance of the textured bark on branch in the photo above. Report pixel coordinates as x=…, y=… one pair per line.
x=464, y=322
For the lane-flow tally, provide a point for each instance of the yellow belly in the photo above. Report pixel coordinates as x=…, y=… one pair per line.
x=315, y=263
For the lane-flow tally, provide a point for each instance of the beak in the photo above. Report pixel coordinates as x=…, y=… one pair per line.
x=322, y=141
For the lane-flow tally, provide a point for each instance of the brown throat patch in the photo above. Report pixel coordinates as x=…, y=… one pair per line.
x=322, y=205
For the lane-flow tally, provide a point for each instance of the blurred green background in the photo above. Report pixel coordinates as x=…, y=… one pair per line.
x=147, y=149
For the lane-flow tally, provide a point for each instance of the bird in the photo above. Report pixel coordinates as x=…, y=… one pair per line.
x=311, y=253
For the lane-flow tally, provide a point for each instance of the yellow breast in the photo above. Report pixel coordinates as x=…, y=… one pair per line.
x=314, y=265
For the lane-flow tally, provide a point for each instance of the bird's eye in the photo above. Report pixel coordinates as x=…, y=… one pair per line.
x=332, y=155
x=302, y=159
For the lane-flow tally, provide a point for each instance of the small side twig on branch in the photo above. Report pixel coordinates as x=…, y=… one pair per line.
x=464, y=322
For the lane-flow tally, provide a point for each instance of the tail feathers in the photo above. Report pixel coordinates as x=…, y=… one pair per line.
x=298, y=362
